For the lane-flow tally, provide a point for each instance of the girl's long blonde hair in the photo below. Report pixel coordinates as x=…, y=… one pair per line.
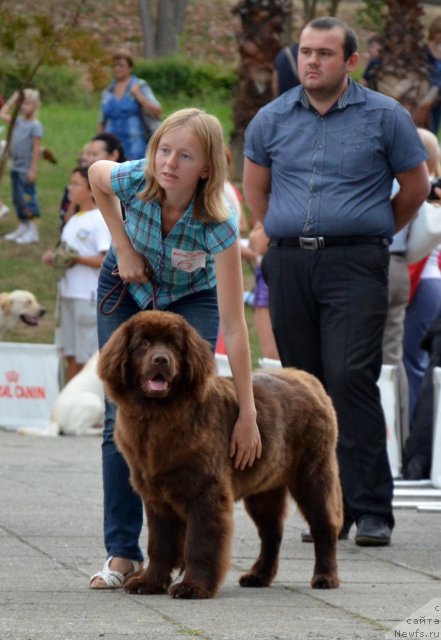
x=209, y=201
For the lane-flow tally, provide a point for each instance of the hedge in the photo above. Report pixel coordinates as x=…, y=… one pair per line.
x=173, y=76
x=167, y=77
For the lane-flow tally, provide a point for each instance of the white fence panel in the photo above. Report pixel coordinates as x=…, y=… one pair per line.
x=29, y=383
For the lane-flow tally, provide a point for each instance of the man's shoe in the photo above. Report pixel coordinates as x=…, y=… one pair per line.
x=306, y=536
x=372, y=531
x=418, y=468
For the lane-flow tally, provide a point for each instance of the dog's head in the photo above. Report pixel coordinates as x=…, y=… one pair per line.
x=20, y=305
x=155, y=355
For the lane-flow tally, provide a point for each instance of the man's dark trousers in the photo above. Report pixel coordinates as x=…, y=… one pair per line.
x=328, y=309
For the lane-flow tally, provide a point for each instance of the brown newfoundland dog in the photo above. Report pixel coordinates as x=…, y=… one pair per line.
x=174, y=422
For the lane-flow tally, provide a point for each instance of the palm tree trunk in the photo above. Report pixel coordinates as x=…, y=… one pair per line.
x=403, y=73
x=263, y=23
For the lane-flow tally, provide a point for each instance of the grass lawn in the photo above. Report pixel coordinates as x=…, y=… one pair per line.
x=67, y=128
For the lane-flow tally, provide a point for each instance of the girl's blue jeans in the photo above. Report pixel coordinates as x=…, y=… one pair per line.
x=25, y=197
x=123, y=509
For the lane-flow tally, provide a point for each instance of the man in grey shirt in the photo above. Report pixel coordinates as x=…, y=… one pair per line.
x=319, y=166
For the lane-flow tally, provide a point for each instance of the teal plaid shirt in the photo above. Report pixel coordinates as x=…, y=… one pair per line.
x=183, y=261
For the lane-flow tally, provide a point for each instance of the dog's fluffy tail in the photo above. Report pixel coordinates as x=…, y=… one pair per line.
x=51, y=430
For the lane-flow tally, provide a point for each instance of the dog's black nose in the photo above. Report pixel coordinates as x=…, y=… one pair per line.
x=161, y=358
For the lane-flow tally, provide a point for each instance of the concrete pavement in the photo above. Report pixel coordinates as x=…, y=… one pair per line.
x=50, y=540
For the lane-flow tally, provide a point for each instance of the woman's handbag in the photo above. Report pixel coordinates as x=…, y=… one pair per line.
x=150, y=123
x=424, y=233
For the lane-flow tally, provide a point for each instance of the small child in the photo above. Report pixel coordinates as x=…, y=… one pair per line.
x=25, y=153
x=87, y=233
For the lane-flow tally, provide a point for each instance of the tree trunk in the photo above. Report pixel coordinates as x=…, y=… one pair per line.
x=262, y=26
x=170, y=22
x=180, y=8
x=403, y=73
x=309, y=9
x=333, y=7
x=162, y=23
x=145, y=10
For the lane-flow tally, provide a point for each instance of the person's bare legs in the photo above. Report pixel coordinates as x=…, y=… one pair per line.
x=72, y=367
x=265, y=333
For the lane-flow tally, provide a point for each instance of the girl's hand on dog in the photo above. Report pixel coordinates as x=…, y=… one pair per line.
x=245, y=445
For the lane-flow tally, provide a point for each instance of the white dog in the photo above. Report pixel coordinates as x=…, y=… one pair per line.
x=19, y=305
x=79, y=407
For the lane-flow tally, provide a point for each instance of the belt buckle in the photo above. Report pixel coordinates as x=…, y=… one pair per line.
x=312, y=243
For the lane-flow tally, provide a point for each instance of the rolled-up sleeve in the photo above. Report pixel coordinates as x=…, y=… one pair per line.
x=255, y=147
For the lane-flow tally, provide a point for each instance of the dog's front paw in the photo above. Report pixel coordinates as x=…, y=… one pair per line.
x=253, y=580
x=325, y=581
x=189, y=591
x=139, y=586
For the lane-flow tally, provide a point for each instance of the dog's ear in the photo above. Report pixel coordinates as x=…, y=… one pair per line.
x=5, y=302
x=113, y=362
x=198, y=359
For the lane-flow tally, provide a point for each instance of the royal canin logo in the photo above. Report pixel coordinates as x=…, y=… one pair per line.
x=14, y=390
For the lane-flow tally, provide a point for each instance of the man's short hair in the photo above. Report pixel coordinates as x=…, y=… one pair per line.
x=326, y=23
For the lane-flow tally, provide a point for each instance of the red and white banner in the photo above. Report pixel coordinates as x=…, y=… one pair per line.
x=29, y=383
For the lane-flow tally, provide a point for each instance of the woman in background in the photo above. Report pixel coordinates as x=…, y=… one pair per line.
x=122, y=105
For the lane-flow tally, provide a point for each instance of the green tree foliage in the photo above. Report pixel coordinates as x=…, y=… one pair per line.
x=34, y=38
x=372, y=15
x=369, y=16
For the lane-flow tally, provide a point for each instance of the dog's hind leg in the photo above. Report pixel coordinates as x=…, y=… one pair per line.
x=318, y=496
x=267, y=510
x=165, y=547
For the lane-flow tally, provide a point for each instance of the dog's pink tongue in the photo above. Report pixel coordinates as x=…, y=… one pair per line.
x=29, y=320
x=157, y=384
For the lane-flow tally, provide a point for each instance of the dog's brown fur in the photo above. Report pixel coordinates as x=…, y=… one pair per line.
x=174, y=422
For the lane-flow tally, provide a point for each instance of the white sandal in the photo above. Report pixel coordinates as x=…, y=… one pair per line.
x=113, y=579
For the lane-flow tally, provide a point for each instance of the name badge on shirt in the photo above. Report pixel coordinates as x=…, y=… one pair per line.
x=188, y=260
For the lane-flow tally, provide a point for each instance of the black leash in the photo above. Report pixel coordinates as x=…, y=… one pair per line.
x=119, y=282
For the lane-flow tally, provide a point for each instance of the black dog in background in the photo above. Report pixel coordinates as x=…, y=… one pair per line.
x=418, y=448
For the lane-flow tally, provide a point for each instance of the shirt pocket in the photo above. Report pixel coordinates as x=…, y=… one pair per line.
x=357, y=158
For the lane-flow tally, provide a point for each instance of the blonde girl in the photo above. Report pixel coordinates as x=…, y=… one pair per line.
x=177, y=218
